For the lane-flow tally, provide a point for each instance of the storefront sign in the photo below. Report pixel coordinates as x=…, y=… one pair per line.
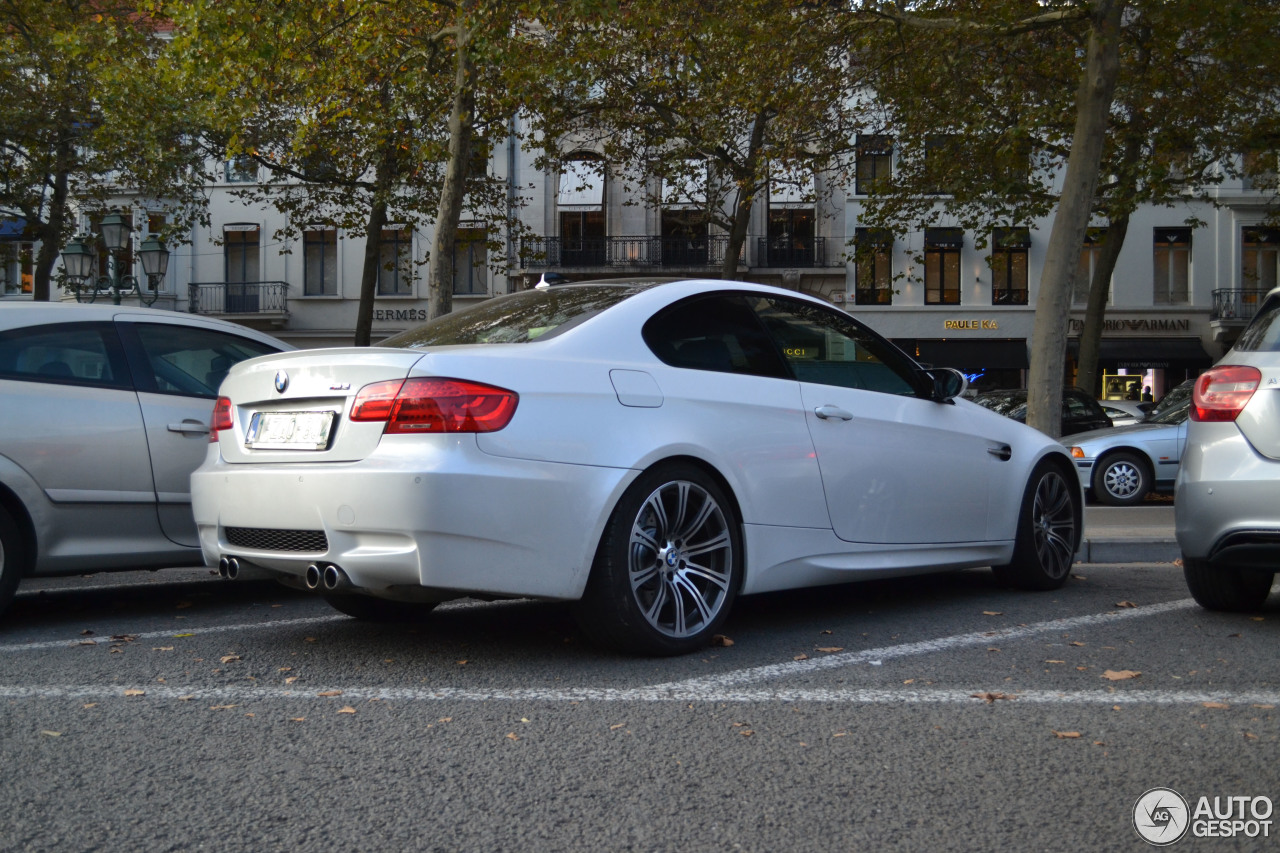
x=969, y=325
x=1158, y=325
x=400, y=314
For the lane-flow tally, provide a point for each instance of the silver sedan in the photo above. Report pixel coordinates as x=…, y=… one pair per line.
x=646, y=450
x=1120, y=466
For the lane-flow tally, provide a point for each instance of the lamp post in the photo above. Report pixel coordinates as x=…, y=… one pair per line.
x=78, y=259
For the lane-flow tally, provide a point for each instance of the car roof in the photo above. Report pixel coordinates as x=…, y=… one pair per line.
x=22, y=314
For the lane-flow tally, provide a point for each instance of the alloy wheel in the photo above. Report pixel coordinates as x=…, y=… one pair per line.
x=1053, y=519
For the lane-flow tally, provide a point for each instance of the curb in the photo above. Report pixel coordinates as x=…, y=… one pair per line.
x=1128, y=551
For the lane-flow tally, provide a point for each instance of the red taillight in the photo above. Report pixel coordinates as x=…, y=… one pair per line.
x=222, y=418
x=1223, y=392
x=435, y=405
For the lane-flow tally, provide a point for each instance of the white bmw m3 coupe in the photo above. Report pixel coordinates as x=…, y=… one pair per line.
x=647, y=450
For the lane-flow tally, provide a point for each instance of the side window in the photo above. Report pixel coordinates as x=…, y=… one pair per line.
x=64, y=353
x=830, y=348
x=718, y=332
x=1075, y=408
x=186, y=360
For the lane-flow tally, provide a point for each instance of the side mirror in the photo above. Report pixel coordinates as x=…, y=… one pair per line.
x=948, y=383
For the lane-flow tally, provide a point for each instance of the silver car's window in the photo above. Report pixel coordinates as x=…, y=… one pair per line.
x=830, y=348
x=519, y=318
x=718, y=332
x=189, y=361
x=64, y=353
x=1263, y=331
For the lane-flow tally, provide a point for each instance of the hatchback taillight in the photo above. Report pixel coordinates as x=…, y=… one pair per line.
x=1223, y=392
x=431, y=404
x=222, y=418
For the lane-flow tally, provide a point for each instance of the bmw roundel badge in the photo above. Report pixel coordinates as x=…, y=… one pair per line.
x=282, y=381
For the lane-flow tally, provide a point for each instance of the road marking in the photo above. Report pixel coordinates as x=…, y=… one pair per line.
x=171, y=633
x=151, y=693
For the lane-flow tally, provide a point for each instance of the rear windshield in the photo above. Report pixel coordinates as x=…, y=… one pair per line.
x=531, y=315
x=1263, y=332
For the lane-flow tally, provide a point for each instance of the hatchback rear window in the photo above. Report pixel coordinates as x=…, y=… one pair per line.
x=531, y=315
x=1263, y=332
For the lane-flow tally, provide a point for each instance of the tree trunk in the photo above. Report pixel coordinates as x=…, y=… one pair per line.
x=1091, y=335
x=369, y=279
x=1053, y=304
x=51, y=231
x=453, y=191
x=744, y=200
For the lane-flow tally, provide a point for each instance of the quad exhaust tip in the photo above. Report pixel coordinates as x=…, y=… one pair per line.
x=229, y=568
x=329, y=578
x=313, y=576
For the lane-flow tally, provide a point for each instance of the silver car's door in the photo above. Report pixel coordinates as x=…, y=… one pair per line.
x=897, y=468
x=70, y=420
x=178, y=369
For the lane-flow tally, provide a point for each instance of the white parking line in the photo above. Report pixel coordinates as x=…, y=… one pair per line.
x=173, y=632
x=851, y=696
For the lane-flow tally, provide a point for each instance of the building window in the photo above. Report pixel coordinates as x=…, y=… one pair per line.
x=580, y=199
x=320, y=261
x=940, y=163
x=1260, y=169
x=121, y=262
x=1090, y=255
x=395, y=253
x=873, y=267
x=791, y=237
x=942, y=247
x=240, y=245
x=1260, y=251
x=17, y=268
x=1172, y=266
x=684, y=237
x=874, y=167
x=242, y=170
x=1009, y=265
x=471, y=262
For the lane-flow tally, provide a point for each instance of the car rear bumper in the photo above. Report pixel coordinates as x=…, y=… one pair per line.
x=434, y=513
x=1227, y=505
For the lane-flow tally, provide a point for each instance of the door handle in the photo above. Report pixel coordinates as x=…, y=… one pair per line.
x=190, y=427
x=833, y=413
x=1003, y=452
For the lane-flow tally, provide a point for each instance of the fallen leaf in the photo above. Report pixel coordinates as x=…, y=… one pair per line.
x=740, y=725
x=330, y=693
x=463, y=663
x=115, y=650
x=90, y=705
x=308, y=639
x=1055, y=661
x=1125, y=604
x=231, y=658
x=524, y=719
x=1120, y=675
x=1080, y=577
x=1258, y=618
x=512, y=736
x=86, y=633
x=840, y=734
x=297, y=719
x=1263, y=707
x=1065, y=734
x=124, y=638
x=346, y=709
x=184, y=635
x=1218, y=706
x=250, y=714
x=285, y=669
x=1234, y=636
x=289, y=679
x=1098, y=743
x=162, y=648
x=1250, y=736
x=992, y=613
x=909, y=681
x=746, y=733
x=721, y=640
x=830, y=649
x=990, y=698
x=88, y=643
x=222, y=707
x=616, y=727
x=992, y=649
x=51, y=734
x=1075, y=643
x=186, y=698
x=801, y=657
x=825, y=632
x=445, y=720
x=1082, y=668
x=133, y=691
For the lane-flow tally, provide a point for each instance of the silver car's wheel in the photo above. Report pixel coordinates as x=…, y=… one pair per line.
x=1049, y=528
x=668, y=567
x=1224, y=587
x=11, y=559
x=1121, y=480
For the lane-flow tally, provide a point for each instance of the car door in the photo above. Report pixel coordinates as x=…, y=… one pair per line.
x=897, y=467
x=178, y=369
x=70, y=421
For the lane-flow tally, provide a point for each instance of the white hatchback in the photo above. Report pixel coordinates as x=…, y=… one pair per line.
x=649, y=450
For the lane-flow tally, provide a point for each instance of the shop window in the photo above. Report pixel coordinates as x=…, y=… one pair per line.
x=240, y=248
x=320, y=261
x=873, y=267
x=942, y=248
x=1009, y=266
x=1090, y=256
x=874, y=165
x=1171, y=266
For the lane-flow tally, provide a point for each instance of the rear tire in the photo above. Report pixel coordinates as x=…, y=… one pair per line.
x=1049, y=527
x=372, y=609
x=1121, y=479
x=12, y=559
x=1229, y=588
x=668, y=566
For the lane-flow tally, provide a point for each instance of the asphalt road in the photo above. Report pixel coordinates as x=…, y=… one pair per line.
x=170, y=711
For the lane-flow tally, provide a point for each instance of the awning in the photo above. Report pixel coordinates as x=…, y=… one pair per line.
x=1148, y=353
x=969, y=355
x=581, y=185
x=687, y=189
x=13, y=230
x=944, y=238
x=1011, y=238
x=792, y=191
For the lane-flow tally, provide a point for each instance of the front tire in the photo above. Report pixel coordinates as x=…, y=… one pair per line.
x=1229, y=588
x=12, y=559
x=668, y=566
x=372, y=609
x=1049, y=527
x=1121, y=480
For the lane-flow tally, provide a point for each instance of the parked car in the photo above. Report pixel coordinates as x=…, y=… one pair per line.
x=1227, y=495
x=1080, y=411
x=105, y=414
x=1125, y=412
x=1121, y=465
x=648, y=450
x=1176, y=396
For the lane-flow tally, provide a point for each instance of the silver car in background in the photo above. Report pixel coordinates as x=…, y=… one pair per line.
x=106, y=412
x=1121, y=465
x=1227, y=510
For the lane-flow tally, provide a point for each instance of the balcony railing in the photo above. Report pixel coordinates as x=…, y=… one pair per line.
x=625, y=252
x=1235, y=304
x=237, y=297
x=773, y=252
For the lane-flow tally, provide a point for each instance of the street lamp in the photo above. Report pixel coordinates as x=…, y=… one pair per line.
x=78, y=259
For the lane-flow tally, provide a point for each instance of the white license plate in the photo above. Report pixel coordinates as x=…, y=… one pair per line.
x=290, y=430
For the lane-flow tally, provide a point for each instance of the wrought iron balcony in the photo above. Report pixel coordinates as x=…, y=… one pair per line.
x=261, y=298
x=806, y=252
x=624, y=252
x=1235, y=305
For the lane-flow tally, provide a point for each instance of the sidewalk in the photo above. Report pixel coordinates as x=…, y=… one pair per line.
x=1140, y=534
